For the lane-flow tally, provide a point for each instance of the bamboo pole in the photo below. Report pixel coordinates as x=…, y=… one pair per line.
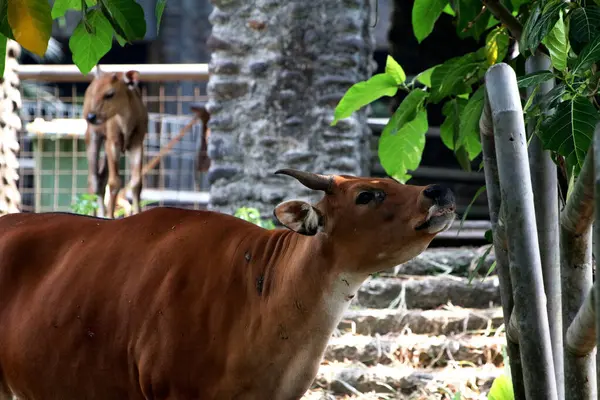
x=545, y=193
x=492, y=185
x=524, y=255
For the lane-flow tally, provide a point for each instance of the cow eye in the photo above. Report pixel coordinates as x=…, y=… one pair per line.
x=365, y=197
x=109, y=95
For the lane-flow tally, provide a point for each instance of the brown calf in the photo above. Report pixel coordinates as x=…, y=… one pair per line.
x=117, y=118
x=188, y=305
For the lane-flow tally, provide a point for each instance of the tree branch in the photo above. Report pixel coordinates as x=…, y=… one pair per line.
x=505, y=17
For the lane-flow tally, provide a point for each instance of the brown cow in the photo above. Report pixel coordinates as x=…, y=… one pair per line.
x=117, y=118
x=182, y=304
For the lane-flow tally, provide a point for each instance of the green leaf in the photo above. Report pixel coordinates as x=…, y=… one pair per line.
x=458, y=135
x=394, y=69
x=558, y=44
x=448, y=10
x=570, y=129
x=31, y=24
x=160, y=8
x=425, y=76
x=489, y=236
x=406, y=111
x=540, y=22
x=551, y=99
x=2, y=54
x=534, y=78
x=122, y=42
x=588, y=56
x=469, y=124
x=129, y=16
x=502, y=389
x=5, y=28
x=424, y=15
x=450, y=128
x=480, y=262
x=60, y=7
x=455, y=76
x=475, y=197
x=584, y=26
x=496, y=45
x=89, y=47
x=401, y=152
x=517, y=3
x=363, y=93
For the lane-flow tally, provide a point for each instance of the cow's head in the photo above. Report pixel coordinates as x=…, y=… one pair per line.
x=376, y=222
x=107, y=95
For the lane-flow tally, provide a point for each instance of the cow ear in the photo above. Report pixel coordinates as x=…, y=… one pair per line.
x=299, y=216
x=132, y=79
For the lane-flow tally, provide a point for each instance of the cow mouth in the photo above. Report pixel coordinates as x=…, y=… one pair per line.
x=438, y=220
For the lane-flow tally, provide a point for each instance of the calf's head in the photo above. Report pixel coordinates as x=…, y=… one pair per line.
x=374, y=223
x=107, y=95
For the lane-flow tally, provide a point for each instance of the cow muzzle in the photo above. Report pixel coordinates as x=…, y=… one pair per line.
x=93, y=119
x=442, y=210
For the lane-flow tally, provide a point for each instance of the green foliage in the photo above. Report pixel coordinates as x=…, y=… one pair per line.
x=29, y=22
x=565, y=117
x=160, y=8
x=85, y=204
x=424, y=15
x=89, y=45
x=501, y=389
x=364, y=93
x=558, y=44
x=569, y=130
x=251, y=214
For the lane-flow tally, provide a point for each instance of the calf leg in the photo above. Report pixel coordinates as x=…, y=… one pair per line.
x=113, y=154
x=136, y=153
x=96, y=176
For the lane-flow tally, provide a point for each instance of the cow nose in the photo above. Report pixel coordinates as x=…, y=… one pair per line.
x=91, y=117
x=440, y=195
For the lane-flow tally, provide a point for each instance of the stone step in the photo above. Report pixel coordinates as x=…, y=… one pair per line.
x=457, y=261
x=417, y=351
x=427, y=292
x=447, y=321
x=340, y=380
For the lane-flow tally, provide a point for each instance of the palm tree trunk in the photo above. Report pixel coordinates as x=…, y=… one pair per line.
x=10, y=123
x=278, y=69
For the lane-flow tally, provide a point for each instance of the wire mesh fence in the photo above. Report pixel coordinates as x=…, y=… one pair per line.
x=53, y=164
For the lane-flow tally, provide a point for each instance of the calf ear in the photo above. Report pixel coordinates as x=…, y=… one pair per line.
x=299, y=216
x=132, y=79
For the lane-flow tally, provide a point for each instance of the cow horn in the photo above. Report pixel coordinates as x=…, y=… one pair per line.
x=310, y=180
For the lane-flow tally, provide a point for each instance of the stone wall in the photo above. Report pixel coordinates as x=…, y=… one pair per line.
x=278, y=69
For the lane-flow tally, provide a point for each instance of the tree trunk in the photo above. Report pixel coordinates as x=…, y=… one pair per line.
x=10, y=124
x=278, y=69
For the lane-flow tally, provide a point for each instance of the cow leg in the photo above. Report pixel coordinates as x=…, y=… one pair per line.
x=102, y=180
x=96, y=175
x=113, y=154
x=136, y=156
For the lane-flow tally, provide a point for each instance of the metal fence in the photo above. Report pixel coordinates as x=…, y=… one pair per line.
x=53, y=164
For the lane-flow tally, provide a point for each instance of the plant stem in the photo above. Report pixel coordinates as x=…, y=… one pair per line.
x=523, y=246
x=576, y=273
x=492, y=185
x=544, y=182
